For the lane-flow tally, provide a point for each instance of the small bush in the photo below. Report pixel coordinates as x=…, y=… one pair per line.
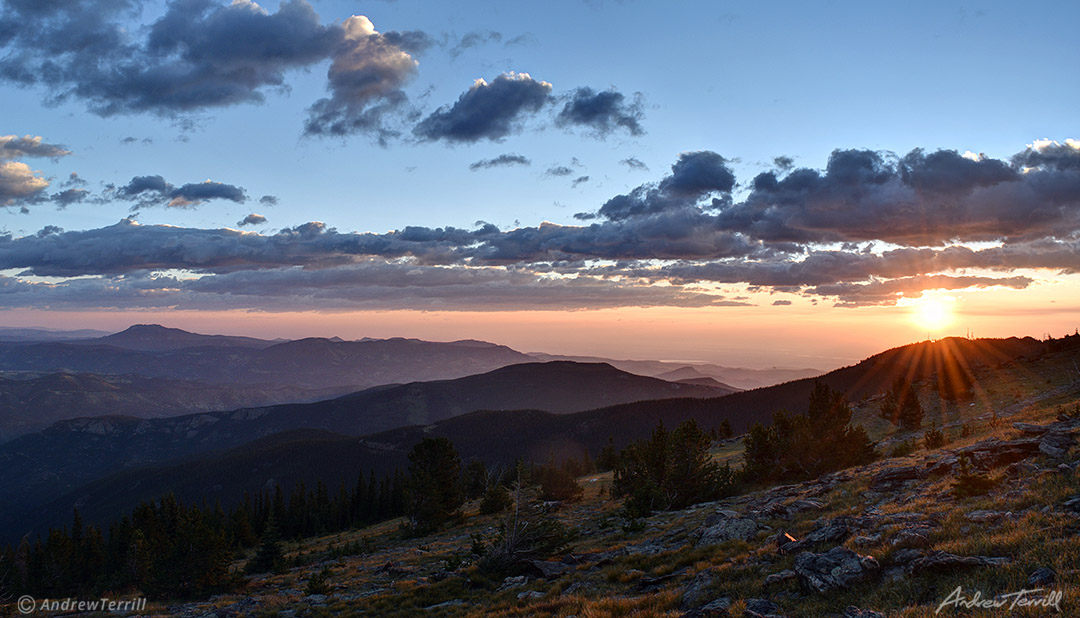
x=317, y=583
x=557, y=484
x=496, y=500
x=903, y=449
x=970, y=483
x=934, y=438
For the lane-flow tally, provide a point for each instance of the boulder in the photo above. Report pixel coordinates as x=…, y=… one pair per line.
x=1056, y=443
x=728, y=529
x=838, y=568
x=892, y=476
x=697, y=593
x=760, y=607
x=910, y=539
x=549, y=569
x=904, y=556
x=992, y=453
x=944, y=561
x=1072, y=505
x=1042, y=576
x=984, y=516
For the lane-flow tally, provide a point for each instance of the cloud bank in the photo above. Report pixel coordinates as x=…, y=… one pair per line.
x=943, y=221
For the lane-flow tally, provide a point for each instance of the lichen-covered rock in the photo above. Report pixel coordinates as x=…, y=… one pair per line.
x=838, y=568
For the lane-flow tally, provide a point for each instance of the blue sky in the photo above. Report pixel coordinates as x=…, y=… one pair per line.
x=748, y=81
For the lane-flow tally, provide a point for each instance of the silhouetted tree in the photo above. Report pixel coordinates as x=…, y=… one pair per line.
x=434, y=488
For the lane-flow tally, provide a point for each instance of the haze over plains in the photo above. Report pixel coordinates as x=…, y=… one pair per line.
x=741, y=183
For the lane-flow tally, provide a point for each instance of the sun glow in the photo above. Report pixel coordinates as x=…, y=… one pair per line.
x=932, y=314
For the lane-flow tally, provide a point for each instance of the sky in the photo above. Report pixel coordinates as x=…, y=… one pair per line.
x=750, y=183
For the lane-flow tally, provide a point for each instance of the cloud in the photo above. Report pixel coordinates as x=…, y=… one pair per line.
x=781, y=303
x=67, y=197
x=558, y=170
x=14, y=147
x=634, y=164
x=682, y=234
x=268, y=200
x=503, y=160
x=155, y=191
x=18, y=182
x=487, y=111
x=579, y=180
x=252, y=219
x=918, y=199
x=366, y=78
x=474, y=39
x=602, y=112
x=201, y=55
x=694, y=176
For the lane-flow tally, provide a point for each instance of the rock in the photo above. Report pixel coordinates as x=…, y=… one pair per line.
x=992, y=452
x=1056, y=443
x=761, y=606
x=530, y=594
x=782, y=576
x=838, y=568
x=905, y=556
x=714, y=609
x=444, y=604
x=943, y=561
x=316, y=599
x=800, y=506
x=984, y=516
x=1032, y=430
x=651, y=584
x=892, y=476
x=513, y=582
x=728, y=529
x=910, y=539
x=836, y=530
x=854, y=612
x=1072, y=505
x=867, y=541
x=697, y=592
x=1021, y=469
x=1042, y=576
x=550, y=570
x=720, y=516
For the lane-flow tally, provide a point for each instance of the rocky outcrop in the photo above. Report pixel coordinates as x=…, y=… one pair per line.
x=837, y=569
x=728, y=529
x=944, y=561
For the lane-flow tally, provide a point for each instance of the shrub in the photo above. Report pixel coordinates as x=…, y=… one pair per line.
x=903, y=449
x=671, y=470
x=934, y=438
x=796, y=447
x=527, y=534
x=968, y=482
x=317, y=583
x=496, y=500
x=557, y=484
x=901, y=405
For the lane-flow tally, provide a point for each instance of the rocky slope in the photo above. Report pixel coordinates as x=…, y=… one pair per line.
x=893, y=538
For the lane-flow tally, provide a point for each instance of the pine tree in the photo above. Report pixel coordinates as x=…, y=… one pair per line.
x=434, y=487
x=270, y=554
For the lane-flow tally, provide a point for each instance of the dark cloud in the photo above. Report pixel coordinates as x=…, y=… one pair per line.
x=781, y=303
x=634, y=164
x=602, y=112
x=15, y=147
x=201, y=55
x=156, y=191
x=693, y=176
x=920, y=198
x=268, y=200
x=558, y=170
x=487, y=111
x=579, y=180
x=1048, y=154
x=678, y=233
x=474, y=39
x=67, y=197
x=503, y=160
x=252, y=219
x=366, y=78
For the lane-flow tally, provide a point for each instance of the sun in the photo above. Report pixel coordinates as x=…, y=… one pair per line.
x=932, y=314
